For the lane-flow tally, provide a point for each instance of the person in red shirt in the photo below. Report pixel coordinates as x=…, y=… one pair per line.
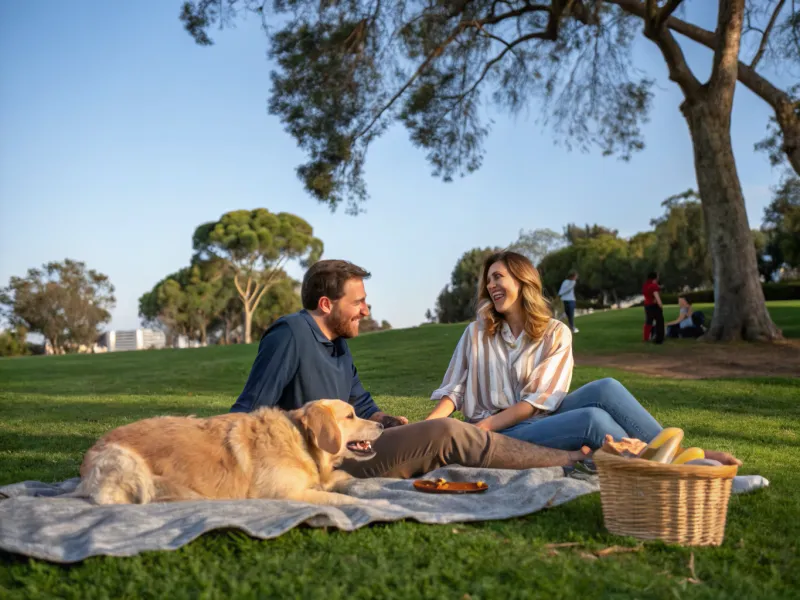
x=653, y=309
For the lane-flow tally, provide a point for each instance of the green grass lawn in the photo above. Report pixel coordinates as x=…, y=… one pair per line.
x=53, y=408
x=621, y=330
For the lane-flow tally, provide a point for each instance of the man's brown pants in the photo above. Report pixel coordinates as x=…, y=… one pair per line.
x=418, y=448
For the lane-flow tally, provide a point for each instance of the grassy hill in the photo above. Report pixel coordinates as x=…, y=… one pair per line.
x=53, y=408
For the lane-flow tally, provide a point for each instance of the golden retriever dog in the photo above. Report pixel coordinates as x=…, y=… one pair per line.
x=268, y=453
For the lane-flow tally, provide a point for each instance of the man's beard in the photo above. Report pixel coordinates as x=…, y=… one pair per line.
x=342, y=326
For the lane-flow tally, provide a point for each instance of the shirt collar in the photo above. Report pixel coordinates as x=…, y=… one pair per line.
x=508, y=337
x=312, y=323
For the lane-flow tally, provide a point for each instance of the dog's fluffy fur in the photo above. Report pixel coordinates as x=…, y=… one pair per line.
x=265, y=454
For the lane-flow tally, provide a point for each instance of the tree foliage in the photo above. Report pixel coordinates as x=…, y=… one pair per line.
x=347, y=70
x=254, y=245
x=201, y=302
x=13, y=342
x=781, y=227
x=369, y=324
x=535, y=244
x=573, y=233
x=681, y=254
x=456, y=302
x=63, y=301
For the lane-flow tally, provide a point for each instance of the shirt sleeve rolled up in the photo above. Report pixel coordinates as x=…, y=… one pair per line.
x=550, y=379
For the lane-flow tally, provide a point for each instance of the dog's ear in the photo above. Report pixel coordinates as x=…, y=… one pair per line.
x=320, y=422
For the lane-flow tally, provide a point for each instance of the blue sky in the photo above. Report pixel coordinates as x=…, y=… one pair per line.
x=119, y=135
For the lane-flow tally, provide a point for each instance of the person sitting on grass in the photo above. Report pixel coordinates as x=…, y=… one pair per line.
x=684, y=326
x=683, y=322
x=512, y=369
x=304, y=357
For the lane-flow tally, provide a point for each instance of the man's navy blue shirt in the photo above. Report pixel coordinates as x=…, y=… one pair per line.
x=296, y=364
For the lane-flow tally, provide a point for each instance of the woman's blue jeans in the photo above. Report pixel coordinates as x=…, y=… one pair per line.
x=586, y=416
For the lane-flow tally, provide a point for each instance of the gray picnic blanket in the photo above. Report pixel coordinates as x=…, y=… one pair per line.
x=35, y=522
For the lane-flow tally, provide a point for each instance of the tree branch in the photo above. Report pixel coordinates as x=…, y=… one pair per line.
x=542, y=35
x=439, y=50
x=757, y=84
x=765, y=36
x=238, y=286
x=268, y=281
x=724, y=71
x=667, y=10
x=679, y=70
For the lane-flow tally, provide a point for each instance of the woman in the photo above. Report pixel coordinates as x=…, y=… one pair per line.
x=512, y=369
x=683, y=326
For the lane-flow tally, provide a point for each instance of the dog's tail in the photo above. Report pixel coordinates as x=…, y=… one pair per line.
x=114, y=474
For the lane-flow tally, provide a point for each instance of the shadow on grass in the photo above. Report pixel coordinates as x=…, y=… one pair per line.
x=755, y=440
x=44, y=411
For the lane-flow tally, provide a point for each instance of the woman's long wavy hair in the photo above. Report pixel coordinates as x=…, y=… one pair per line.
x=537, y=309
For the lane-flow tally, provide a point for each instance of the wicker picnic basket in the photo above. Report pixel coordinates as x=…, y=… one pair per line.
x=682, y=504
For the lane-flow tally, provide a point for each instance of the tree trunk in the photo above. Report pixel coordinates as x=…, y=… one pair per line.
x=248, y=320
x=227, y=330
x=203, y=335
x=740, y=310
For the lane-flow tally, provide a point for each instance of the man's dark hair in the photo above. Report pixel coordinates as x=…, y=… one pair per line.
x=652, y=275
x=327, y=278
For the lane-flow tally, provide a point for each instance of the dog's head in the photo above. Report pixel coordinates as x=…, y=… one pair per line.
x=332, y=426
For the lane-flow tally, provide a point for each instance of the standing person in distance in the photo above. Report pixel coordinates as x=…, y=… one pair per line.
x=567, y=295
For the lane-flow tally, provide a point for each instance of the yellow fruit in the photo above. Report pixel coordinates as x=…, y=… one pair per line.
x=668, y=450
x=687, y=455
x=662, y=438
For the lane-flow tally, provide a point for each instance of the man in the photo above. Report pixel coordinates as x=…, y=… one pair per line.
x=567, y=295
x=304, y=357
x=653, y=309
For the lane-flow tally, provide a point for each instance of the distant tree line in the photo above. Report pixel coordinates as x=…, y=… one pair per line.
x=612, y=268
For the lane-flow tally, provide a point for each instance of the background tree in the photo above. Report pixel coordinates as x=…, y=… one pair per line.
x=781, y=226
x=681, y=251
x=205, y=296
x=255, y=245
x=642, y=251
x=13, y=342
x=369, y=324
x=605, y=266
x=555, y=266
x=456, y=302
x=537, y=243
x=346, y=70
x=63, y=301
x=165, y=307
x=573, y=233
x=282, y=298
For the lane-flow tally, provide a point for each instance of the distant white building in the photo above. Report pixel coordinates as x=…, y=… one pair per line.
x=133, y=339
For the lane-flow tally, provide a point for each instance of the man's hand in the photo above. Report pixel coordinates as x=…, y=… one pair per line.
x=388, y=421
x=485, y=424
x=723, y=457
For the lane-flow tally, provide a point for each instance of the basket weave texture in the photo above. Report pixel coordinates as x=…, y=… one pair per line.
x=683, y=504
